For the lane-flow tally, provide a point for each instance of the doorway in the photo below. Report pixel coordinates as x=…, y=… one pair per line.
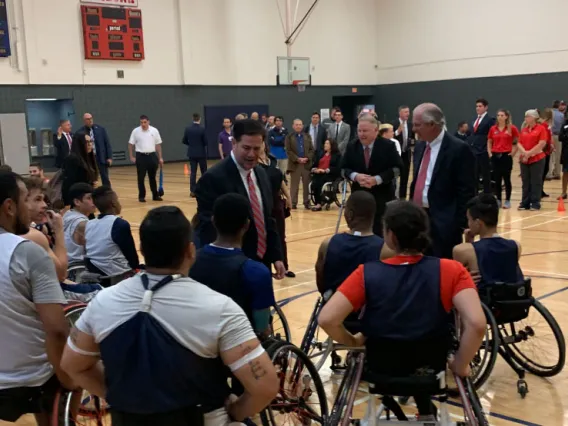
x=350, y=107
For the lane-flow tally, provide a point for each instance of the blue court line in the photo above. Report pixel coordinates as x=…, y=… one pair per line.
x=284, y=302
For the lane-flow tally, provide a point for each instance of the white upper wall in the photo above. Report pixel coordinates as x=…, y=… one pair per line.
x=449, y=39
x=195, y=42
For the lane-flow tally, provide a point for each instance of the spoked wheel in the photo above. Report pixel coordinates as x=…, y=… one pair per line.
x=339, y=191
x=340, y=409
x=279, y=325
x=79, y=408
x=301, y=398
x=472, y=408
x=317, y=350
x=537, y=342
x=73, y=311
x=484, y=360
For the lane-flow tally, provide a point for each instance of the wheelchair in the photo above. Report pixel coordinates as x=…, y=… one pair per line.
x=78, y=407
x=429, y=383
x=515, y=318
x=330, y=192
x=279, y=328
x=301, y=398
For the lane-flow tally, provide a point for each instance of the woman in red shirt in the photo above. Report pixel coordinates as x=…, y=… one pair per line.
x=546, y=121
x=326, y=169
x=532, y=142
x=502, y=147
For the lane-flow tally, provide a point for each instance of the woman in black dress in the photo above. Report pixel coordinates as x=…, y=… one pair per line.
x=79, y=166
x=326, y=169
x=282, y=200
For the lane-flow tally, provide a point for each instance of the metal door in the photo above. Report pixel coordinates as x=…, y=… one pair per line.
x=14, y=142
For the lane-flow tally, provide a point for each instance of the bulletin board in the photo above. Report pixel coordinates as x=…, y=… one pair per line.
x=5, y=50
x=112, y=33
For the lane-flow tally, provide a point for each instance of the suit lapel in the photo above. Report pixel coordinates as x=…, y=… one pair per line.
x=440, y=159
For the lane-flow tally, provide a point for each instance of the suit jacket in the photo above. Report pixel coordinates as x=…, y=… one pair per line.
x=321, y=136
x=196, y=140
x=334, y=164
x=342, y=138
x=102, y=142
x=452, y=186
x=478, y=138
x=291, y=146
x=384, y=159
x=61, y=149
x=223, y=178
x=400, y=137
x=463, y=137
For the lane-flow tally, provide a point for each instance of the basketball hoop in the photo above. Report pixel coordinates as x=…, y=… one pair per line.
x=300, y=84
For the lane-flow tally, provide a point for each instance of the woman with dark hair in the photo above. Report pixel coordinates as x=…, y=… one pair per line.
x=282, y=200
x=326, y=169
x=80, y=166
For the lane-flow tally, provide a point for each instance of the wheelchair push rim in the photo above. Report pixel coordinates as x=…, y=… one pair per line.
x=279, y=327
x=90, y=411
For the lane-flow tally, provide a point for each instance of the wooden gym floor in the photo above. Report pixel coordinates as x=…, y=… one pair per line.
x=544, y=238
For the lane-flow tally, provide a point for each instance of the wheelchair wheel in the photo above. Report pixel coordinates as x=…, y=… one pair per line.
x=279, y=324
x=75, y=270
x=73, y=312
x=472, y=408
x=339, y=191
x=300, y=385
x=346, y=388
x=484, y=360
x=73, y=408
x=318, y=351
x=311, y=192
x=546, y=359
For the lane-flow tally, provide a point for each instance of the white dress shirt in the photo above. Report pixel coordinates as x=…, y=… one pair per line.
x=353, y=175
x=145, y=141
x=434, y=151
x=480, y=117
x=404, y=132
x=244, y=173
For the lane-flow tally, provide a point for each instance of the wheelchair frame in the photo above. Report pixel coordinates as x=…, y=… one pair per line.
x=334, y=187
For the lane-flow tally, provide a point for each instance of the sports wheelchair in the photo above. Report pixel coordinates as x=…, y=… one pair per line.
x=515, y=318
x=330, y=191
x=426, y=382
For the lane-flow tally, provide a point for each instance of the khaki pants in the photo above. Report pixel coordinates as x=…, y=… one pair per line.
x=301, y=173
x=555, y=158
x=282, y=165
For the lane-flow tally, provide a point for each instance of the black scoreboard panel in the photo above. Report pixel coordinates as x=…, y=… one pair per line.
x=112, y=33
x=4, y=31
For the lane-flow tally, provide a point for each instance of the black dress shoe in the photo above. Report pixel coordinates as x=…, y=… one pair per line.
x=141, y=200
x=157, y=199
x=290, y=274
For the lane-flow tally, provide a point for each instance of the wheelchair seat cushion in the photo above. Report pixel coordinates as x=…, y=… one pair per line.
x=383, y=384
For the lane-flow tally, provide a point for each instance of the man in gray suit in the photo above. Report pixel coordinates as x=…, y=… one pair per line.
x=339, y=131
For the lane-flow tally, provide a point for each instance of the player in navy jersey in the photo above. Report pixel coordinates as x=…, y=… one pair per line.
x=494, y=257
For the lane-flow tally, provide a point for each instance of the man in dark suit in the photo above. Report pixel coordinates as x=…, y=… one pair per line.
x=317, y=132
x=103, y=150
x=403, y=134
x=463, y=131
x=196, y=140
x=444, y=178
x=62, y=142
x=300, y=153
x=240, y=173
x=478, y=142
x=372, y=164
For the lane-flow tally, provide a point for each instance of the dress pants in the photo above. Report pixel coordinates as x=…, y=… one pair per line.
x=193, y=163
x=147, y=164
x=483, y=169
x=531, y=175
x=557, y=156
x=404, y=173
x=303, y=174
x=103, y=171
x=502, y=163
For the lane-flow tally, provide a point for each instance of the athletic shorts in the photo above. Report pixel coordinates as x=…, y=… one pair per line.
x=15, y=402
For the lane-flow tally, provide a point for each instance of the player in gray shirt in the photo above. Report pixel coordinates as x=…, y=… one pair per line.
x=33, y=328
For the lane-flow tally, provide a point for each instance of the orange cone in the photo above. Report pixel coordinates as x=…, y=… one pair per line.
x=561, y=207
x=185, y=170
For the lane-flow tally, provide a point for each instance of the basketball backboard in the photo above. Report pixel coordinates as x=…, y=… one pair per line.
x=293, y=70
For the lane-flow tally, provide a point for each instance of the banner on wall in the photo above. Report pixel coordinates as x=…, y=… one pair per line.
x=4, y=31
x=123, y=3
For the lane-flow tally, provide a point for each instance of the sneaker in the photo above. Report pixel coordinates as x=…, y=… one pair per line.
x=535, y=207
x=523, y=207
x=157, y=199
x=507, y=204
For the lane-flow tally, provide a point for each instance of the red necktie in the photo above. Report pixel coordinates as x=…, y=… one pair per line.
x=421, y=181
x=258, y=217
x=476, y=124
x=68, y=139
x=367, y=153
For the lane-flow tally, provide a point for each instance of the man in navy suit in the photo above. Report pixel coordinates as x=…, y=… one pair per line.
x=196, y=140
x=62, y=142
x=317, y=132
x=103, y=150
x=444, y=178
x=478, y=142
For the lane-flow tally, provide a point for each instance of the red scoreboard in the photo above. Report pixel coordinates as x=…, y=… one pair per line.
x=112, y=33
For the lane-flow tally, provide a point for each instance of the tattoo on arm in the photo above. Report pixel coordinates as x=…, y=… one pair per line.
x=257, y=369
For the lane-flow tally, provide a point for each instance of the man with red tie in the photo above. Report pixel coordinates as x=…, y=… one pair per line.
x=478, y=142
x=372, y=163
x=239, y=173
x=444, y=178
x=62, y=142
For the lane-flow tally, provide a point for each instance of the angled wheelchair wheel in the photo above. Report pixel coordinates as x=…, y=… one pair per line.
x=311, y=192
x=79, y=408
x=317, y=350
x=342, y=406
x=75, y=270
x=73, y=311
x=279, y=324
x=339, y=191
x=301, y=397
x=472, y=408
x=536, y=342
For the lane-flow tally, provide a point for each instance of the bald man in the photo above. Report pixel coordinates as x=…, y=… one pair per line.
x=103, y=150
x=300, y=152
x=444, y=178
